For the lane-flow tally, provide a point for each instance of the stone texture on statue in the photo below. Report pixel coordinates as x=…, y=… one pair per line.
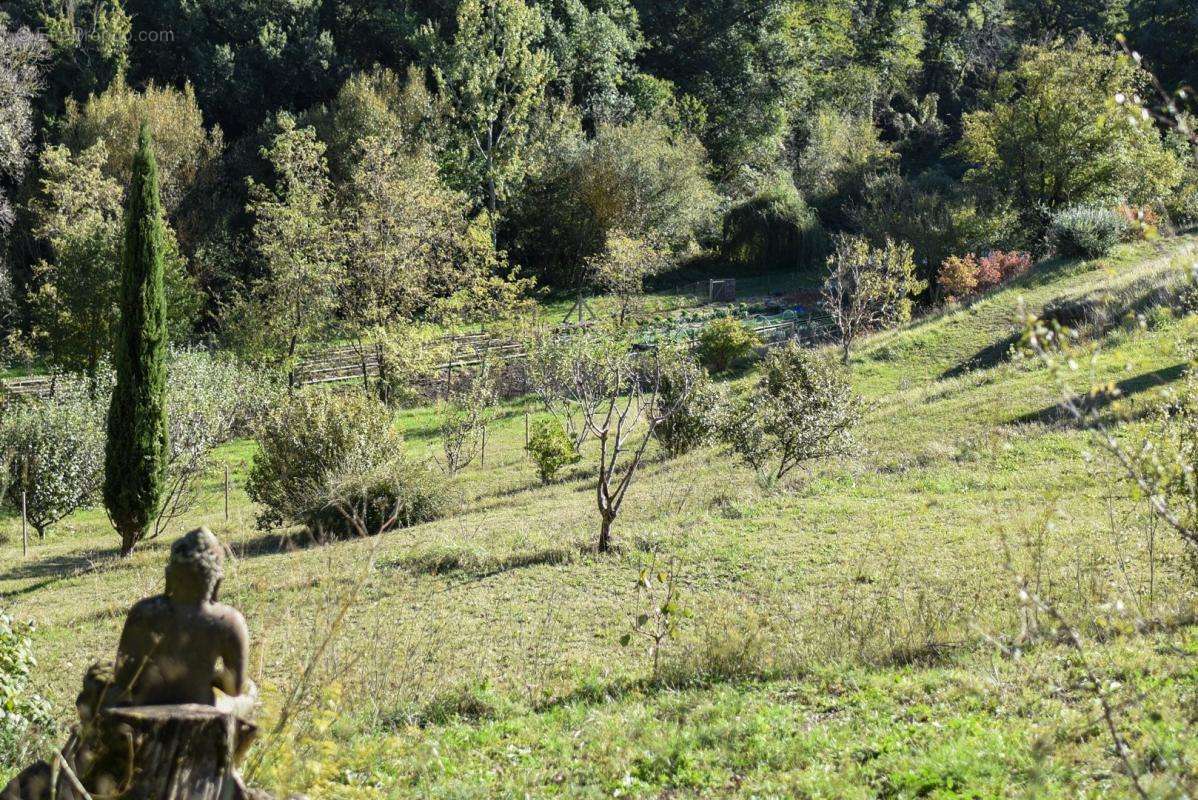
x=168, y=718
x=182, y=645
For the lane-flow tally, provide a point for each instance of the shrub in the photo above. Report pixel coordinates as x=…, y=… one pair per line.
x=1086, y=231
x=1186, y=298
x=399, y=494
x=774, y=228
x=551, y=448
x=688, y=389
x=54, y=452
x=932, y=212
x=964, y=276
x=24, y=714
x=1000, y=266
x=312, y=445
x=958, y=276
x=801, y=409
x=724, y=342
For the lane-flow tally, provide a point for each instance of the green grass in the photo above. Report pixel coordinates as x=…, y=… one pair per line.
x=840, y=638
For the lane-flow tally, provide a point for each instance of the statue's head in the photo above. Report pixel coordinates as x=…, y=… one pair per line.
x=196, y=567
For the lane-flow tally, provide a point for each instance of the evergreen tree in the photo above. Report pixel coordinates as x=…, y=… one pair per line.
x=135, y=463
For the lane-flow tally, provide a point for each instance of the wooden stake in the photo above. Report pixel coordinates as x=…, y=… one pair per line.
x=24, y=526
x=483, y=455
x=226, y=493
x=526, y=428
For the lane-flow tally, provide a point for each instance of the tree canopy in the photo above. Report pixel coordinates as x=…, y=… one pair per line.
x=744, y=132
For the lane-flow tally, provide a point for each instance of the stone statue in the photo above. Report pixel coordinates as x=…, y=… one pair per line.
x=182, y=645
x=178, y=686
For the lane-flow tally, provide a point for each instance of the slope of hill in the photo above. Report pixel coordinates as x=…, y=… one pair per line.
x=850, y=635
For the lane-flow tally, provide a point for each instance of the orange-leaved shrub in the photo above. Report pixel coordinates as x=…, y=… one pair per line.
x=1000, y=266
x=1143, y=223
x=958, y=276
x=969, y=275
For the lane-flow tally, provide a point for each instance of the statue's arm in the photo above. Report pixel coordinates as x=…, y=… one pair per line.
x=132, y=651
x=234, y=654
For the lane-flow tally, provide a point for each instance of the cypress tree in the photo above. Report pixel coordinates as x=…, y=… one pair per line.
x=137, y=450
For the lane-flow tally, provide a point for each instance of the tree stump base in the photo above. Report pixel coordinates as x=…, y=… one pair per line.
x=174, y=752
x=186, y=752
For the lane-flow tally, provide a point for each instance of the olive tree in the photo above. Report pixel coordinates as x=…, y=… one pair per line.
x=548, y=371
x=699, y=405
x=54, y=454
x=801, y=409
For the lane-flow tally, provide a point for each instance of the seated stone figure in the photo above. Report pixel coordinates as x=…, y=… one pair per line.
x=176, y=648
x=183, y=645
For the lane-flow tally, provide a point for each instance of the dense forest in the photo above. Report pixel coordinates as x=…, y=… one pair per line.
x=335, y=167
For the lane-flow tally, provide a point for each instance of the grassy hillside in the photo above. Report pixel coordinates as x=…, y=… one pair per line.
x=848, y=635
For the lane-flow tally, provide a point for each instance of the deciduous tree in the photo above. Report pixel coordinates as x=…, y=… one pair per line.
x=623, y=266
x=75, y=296
x=492, y=79
x=22, y=56
x=868, y=287
x=297, y=239
x=1054, y=135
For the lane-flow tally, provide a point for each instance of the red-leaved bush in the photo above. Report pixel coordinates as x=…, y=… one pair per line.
x=968, y=275
x=1000, y=266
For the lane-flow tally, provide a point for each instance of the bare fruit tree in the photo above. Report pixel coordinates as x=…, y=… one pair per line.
x=618, y=394
x=550, y=375
x=464, y=419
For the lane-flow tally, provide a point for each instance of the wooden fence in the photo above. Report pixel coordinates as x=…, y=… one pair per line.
x=347, y=364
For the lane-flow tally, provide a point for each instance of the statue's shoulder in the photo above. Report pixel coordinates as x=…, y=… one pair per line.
x=227, y=616
x=150, y=607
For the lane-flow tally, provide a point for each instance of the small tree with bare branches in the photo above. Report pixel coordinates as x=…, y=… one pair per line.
x=465, y=416
x=617, y=396
x=548, y=369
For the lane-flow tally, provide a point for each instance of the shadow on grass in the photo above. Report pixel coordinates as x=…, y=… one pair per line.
x=532, y=484
x=989, y=356
x=451, y=560
x=48, y=571
x=1049, y=271
x=270, y=544
x=1055, y=414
